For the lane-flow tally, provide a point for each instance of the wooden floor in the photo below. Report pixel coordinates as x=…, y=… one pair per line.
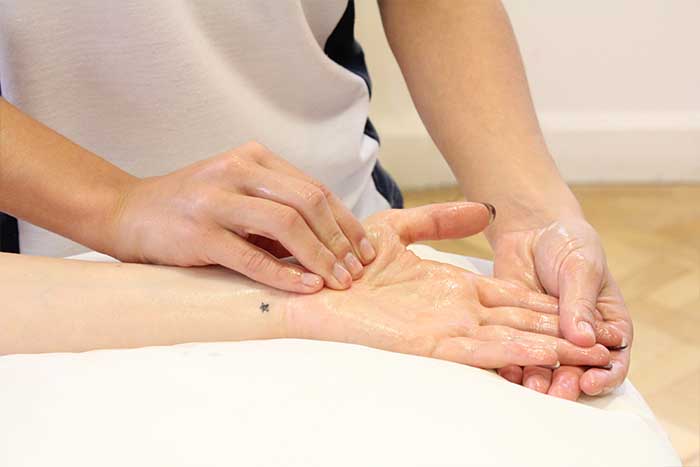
x=652, y=238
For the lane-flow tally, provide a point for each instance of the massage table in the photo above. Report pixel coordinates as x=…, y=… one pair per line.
x=292, y=403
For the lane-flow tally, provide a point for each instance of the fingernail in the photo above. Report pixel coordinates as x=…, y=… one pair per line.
x=367, y=250
x=311, y=280
x=603, y=367
x=353, y=264
x=341, y=274
x=492, y=212
x=586, y=328
x=551, y=367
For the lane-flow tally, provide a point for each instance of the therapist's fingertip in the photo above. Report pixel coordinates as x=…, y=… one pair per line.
x=586, y=330
x=353, y=265
x=593, y=381
x=512, y=373
x=342, y=276
x=536, y=383
x=367, y=250
x=311, y=281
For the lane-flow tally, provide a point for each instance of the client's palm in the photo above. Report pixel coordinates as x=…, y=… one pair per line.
x=406, y=304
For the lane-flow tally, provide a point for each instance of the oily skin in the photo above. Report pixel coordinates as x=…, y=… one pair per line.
x=402, y=304
x=465, y=74
x=564, y=259
x=242, y=209
x=405, y=304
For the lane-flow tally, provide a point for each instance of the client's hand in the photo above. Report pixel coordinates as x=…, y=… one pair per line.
x=565, y=259
x=405, y=304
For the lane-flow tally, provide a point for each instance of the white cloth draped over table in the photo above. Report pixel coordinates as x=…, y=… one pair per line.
x=304, y=403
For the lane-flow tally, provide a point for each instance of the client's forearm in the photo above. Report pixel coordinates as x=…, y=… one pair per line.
x=55, y=305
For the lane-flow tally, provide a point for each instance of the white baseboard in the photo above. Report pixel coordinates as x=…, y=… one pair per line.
x=625, y=149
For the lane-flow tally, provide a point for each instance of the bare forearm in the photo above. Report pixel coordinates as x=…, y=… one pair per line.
x=56, y=184
x=463, y=69
x=56, y=305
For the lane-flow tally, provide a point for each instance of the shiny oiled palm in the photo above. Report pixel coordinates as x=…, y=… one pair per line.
x=406, y=304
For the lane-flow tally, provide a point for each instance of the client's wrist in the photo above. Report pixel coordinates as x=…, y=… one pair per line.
x=307, y=316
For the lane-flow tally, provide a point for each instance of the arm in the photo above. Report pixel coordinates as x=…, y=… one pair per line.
x=463, y=69
x=57, y=305
x=52, y=182
x=401, y=304
x=215, y=208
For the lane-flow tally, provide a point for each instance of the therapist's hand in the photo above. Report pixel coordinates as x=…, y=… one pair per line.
x=406, y=304
x=241, y=210
x=566, y=259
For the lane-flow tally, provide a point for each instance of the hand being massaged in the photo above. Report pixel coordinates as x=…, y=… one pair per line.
x=406, y=304
x=400, y=303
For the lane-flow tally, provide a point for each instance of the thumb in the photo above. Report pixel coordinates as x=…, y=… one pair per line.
x=580, y=281
x=441, y=221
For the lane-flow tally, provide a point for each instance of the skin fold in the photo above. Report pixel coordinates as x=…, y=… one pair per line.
x=401, y=303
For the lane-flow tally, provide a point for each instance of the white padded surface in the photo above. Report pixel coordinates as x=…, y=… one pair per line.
x=302, y=403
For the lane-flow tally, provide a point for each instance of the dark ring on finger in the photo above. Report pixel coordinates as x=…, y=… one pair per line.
x=618, y=347
x=609, y=366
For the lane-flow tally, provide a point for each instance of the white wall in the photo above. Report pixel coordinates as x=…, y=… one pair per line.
x=616, y=84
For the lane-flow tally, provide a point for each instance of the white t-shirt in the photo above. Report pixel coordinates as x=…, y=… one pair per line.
x=154, y=86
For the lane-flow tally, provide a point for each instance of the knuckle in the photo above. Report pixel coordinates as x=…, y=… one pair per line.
x=236, y=165
x=323, y=256
x=254, y=260
x=322, y=188
x=202, y=200
x=338, y=242
x=288, y=219
x=255, y=150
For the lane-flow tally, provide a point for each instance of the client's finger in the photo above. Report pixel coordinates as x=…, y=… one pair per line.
x=607, y=333
x=493, y=354
x=522, y=319
x=537, y=378
x=512, y=373
x=565, y=383
x=439, y=221
x=542, y=323
x=569, y=354
x=496, y=292
x=597, y=381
